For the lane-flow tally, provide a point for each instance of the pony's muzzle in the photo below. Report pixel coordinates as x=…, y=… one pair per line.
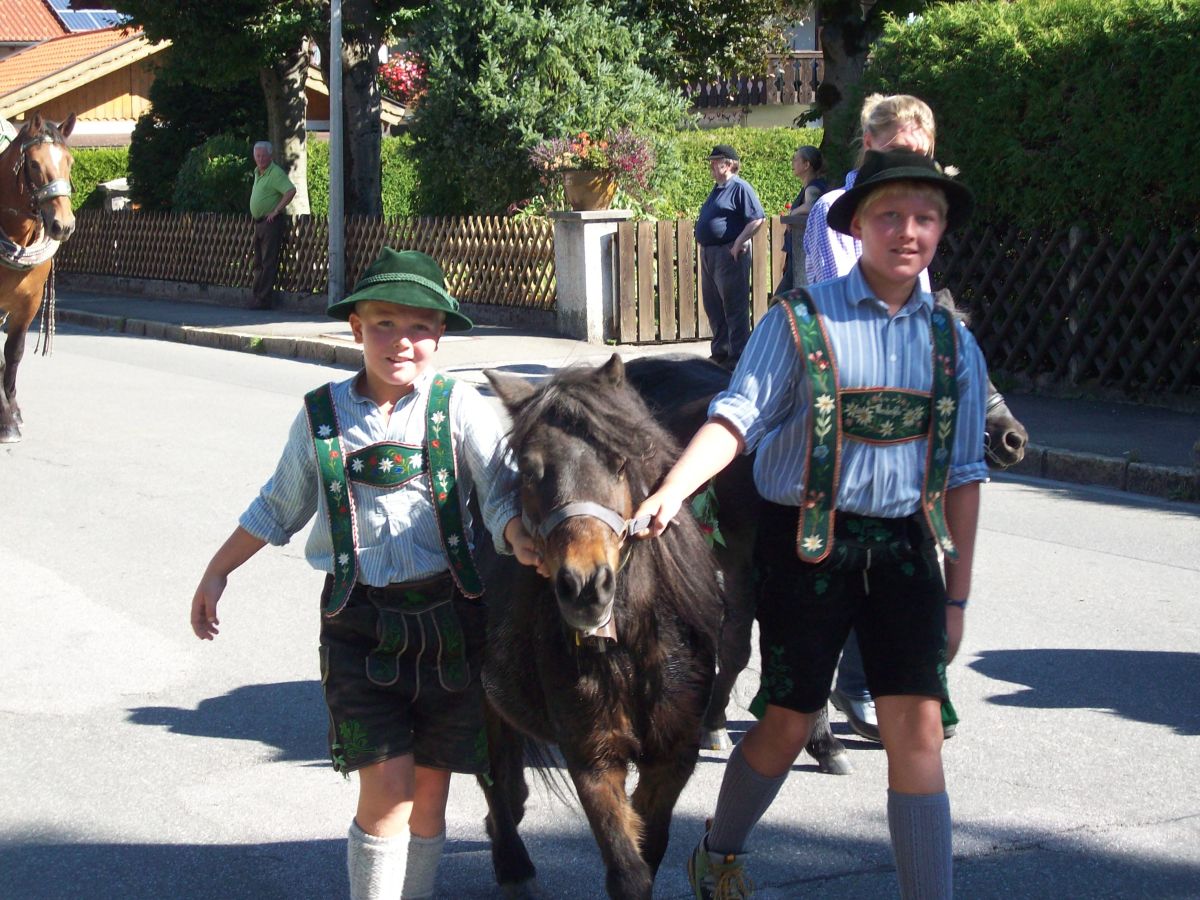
x=1007, y=447
x=585, y=599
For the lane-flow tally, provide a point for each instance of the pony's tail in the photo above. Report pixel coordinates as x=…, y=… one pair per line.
x=550, y=768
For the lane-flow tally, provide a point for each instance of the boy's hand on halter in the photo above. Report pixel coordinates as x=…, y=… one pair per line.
x=662, y=507
x=523, y=546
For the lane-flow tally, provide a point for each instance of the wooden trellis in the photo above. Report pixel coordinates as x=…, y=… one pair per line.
x=488, y=260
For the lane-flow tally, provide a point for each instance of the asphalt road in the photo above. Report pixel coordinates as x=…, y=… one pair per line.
x=142, y=763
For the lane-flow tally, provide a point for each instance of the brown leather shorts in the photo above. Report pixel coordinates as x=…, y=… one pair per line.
x=400, y=673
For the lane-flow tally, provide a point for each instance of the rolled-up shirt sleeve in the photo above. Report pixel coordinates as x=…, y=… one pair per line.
x=967, y=462
x=762, y=390
x=288, y=500
x=493, y=471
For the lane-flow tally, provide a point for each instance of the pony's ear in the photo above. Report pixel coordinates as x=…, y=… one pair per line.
x=513, y=390
x=68, y=126
x=35, y=124
x=613, y=371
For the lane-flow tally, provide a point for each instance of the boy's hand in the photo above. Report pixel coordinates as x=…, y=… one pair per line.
x=204, y=606
x=523, y=547
x=662, y=506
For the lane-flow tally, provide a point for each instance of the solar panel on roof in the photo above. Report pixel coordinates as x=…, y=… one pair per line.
x=75, y=20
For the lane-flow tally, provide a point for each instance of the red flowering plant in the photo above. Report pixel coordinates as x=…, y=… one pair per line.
x=403, y=77
x=621, y=153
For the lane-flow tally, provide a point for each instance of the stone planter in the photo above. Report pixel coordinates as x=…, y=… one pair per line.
x=589, y=190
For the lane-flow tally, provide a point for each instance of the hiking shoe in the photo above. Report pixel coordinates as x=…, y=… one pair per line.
x=710, y=880
x=859, y=713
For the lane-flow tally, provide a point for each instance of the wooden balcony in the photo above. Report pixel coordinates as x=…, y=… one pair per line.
x=790, y=78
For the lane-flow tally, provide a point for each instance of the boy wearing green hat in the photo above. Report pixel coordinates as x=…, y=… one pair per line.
x=865, y=404
x=387, y=461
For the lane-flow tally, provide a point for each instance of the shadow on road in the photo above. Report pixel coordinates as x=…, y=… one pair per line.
x=1152, y=686
x=288, y=716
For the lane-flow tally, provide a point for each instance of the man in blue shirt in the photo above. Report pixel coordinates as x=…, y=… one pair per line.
x=727, y=221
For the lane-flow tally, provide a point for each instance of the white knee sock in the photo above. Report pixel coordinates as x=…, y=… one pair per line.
x=423, y=856
x=920, y=829
x=375, y=864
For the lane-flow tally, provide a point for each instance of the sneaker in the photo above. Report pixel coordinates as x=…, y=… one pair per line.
x=859, y=713
x=712, y=880
x=948, y=731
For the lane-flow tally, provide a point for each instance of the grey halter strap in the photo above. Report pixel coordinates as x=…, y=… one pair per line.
x=624, y=528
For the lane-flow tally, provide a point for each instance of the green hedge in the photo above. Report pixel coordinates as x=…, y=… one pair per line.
x=93, y=166
x=399, y=177
x=215, y=177
x=1057, y=111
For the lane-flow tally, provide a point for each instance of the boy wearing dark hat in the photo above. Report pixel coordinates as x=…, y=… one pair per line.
x=388, y=460
x=865, y=404
x=728, y=219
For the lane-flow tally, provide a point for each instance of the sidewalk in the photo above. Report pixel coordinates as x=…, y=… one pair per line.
x=1141, y=449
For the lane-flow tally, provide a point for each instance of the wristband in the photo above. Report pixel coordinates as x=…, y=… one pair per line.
x=960, y=604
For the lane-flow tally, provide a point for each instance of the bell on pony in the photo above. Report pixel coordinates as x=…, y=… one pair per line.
x=35, y=218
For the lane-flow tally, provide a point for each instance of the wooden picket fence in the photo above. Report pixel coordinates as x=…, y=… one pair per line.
x=487, y=259
x=1061, y=307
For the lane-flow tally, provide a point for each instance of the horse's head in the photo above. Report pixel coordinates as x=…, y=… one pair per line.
x=582, y=450
x=1004, y=437
x=44, y=172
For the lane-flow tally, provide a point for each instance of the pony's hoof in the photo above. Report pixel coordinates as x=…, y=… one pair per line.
x=835, y=763
x=10, y=435
x=522, y=890
x=716, y=740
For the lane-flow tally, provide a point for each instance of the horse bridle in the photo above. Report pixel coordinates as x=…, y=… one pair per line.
x=51, y=190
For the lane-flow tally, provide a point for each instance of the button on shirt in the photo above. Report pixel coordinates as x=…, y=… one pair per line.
x=398, y=536
x=726, y=212
x=768, y=399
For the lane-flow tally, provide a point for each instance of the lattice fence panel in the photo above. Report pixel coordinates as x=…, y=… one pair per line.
x=488, y=260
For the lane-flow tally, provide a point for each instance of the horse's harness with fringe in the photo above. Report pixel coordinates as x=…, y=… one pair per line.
x=596, y=638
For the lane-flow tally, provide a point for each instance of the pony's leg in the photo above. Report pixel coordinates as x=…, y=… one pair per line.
x=658, y=789
x=616, y=827
x=733, y=654
x=506, y=795
x=827, y=750
x=10, y=412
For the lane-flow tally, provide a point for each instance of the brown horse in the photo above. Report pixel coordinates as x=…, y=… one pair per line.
x=35, y=215
x=678, y=389
x=611, y=657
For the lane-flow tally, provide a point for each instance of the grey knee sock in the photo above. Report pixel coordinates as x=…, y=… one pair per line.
x=423, y=856
x=920, y=828
x=745, y=796
x=375, y=864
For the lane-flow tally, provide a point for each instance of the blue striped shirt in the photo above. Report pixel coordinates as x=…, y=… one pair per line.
x=398, y=536
x=767, y=400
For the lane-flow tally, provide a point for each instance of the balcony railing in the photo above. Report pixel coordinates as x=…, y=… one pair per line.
x=787, y=78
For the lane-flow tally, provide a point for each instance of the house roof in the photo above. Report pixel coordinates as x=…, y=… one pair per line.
x=391, y=112
x=50, y=69
x=24, y=21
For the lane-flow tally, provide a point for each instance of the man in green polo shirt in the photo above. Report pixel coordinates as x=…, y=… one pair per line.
x=271, y=194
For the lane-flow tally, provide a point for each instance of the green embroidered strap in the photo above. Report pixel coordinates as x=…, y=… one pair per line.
x=814, y=536
x=944, y=407
x=884, y=415
x=327, y=441
x=386, y=464
x=443, y=485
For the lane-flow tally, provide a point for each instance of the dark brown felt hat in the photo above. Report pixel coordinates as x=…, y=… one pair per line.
x=900, y=165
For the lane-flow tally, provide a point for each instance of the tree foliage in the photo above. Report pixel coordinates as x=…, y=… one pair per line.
x=504, y=74
x=1049, y=107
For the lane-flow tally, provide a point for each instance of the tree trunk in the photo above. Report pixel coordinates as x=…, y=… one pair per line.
x=845, y=43
x=287, y=114
x=362, y=106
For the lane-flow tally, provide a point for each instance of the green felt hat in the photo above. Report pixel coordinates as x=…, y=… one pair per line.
x=881, y=168
x=406, y=278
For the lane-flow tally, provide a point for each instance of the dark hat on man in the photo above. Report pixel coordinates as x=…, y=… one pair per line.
x=724, y=151
x=406, y=278
x=880, y=168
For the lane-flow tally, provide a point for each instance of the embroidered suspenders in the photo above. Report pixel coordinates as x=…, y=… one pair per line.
x=388, y=465
x=873, y=415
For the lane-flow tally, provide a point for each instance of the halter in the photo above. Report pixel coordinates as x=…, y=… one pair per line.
x=59, y=187
x=995, y=400
x=598, y=637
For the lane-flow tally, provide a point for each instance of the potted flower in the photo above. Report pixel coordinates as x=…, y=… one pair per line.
x=591, y=170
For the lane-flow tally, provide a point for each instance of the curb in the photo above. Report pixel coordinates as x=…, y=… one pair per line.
x=1176, y=483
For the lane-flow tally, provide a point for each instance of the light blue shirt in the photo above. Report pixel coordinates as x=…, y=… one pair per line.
x=397, y=530
x=768, y=398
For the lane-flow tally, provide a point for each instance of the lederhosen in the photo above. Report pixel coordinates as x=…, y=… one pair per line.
x=416, y=640
x=874, y=415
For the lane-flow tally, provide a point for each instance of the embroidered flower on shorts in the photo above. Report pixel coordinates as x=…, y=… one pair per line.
x=386, y=464
x=825, y=403
x=324, y=431
x=813, y=543
x=344, y=560
x=356, y=465
x=945, y=406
